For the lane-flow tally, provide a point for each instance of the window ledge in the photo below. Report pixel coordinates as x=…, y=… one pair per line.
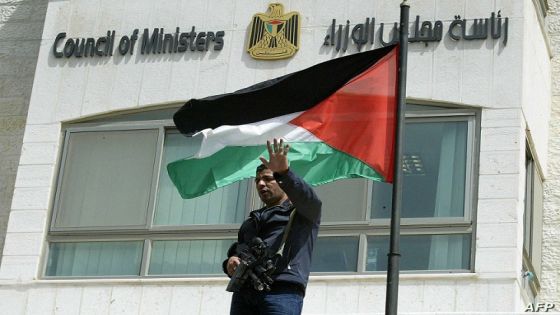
x=405, y=276
x=111, y=281
x=313, y=278
x=222, y=280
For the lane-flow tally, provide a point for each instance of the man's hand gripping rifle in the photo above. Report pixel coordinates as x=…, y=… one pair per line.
x=257, y=266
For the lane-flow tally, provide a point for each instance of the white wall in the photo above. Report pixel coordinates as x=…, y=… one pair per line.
x=536, y=85
x=551, y=219
x=365, y=295
x=483, y=74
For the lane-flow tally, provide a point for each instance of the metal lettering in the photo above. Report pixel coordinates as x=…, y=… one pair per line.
x=201, y=41
x=69, y=48
x=394, y=37
x=124, y=45
x=60, y=36
x=219, y=43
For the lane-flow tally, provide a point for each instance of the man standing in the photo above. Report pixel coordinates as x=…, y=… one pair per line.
x=282, y=192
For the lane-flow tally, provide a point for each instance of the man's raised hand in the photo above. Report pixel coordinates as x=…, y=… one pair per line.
x=278, y=156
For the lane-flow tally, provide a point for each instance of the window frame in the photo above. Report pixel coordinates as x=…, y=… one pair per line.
x=64, y=156
x=423, y=226
x=163, y=127
x=362, y=229
x=533, y=172
x=146, y=233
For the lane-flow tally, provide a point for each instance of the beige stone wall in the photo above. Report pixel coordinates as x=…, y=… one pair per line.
x=550, y=281
x=21, y=26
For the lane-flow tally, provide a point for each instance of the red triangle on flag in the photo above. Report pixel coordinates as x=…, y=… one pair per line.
x=360, y=117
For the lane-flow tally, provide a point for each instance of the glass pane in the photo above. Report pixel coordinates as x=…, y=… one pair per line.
x=225, y=205
x=536, y=219
x=434, y=165
x=183, y=257
x=107, y=178
x=95, y=259
x=528, y=211
x=422, y=252
x=335, y=254
x=343, y=200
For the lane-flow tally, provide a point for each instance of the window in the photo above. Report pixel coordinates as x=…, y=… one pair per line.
x=532, y=224
x=437, y=207
x=88, y=192
x=117, y=214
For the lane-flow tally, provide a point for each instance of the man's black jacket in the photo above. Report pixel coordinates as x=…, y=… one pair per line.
x=269, y=224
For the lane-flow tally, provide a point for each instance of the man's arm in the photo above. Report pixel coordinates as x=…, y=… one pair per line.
x=302, y=196
x=299, y=192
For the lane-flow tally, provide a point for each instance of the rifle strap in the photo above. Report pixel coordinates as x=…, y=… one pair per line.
x=286, y=232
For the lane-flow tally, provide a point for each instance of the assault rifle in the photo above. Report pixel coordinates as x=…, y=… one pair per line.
x=257, y=266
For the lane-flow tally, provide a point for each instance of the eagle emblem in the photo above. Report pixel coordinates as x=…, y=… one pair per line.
x=274, y=35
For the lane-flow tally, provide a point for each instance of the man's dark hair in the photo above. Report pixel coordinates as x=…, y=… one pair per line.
x=260, y=168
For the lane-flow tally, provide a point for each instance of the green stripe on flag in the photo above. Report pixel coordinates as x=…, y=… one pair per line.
x=316, y=162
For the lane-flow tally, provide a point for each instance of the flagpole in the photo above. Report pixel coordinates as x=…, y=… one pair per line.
x=391, y=297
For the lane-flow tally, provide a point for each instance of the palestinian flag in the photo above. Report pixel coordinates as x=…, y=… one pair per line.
x=339, y=118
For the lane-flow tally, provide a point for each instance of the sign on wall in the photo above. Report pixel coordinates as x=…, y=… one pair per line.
x=155, y=42
x=459, y=29
x=276, y=35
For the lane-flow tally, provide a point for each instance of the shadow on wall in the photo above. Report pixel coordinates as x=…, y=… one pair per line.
x=21, y=27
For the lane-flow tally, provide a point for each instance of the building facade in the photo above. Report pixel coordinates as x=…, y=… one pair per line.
x=95, y=225
x=20, y=35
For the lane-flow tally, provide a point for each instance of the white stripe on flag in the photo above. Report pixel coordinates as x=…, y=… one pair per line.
x=213, y=140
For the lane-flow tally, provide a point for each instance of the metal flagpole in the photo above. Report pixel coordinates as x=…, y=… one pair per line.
x=391, y=298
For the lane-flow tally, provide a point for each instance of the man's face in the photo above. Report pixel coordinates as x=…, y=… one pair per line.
x=269, y=190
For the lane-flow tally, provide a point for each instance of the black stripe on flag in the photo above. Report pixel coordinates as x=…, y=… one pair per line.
x=287, y=94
